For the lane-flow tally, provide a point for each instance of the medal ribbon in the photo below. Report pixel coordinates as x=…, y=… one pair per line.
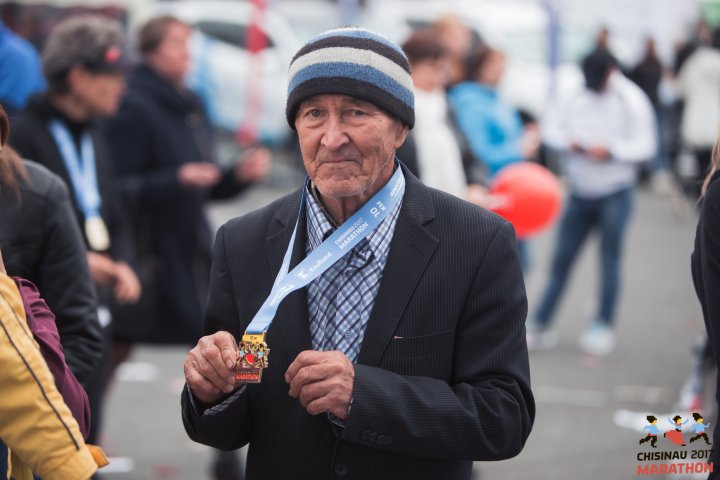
x=81, y=168
x=343, y=240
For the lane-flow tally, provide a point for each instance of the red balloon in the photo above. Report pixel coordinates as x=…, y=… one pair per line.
x=528, y=196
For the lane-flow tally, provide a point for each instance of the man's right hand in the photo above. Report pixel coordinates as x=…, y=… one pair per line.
x=210, y=367
x=198, y=175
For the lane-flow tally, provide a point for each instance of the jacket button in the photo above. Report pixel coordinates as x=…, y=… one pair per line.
x=365, y=434
x=373, y=437
x=341, y=470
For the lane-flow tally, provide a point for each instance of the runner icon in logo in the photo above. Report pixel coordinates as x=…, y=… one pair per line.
x=652, y=430
x=699, y=428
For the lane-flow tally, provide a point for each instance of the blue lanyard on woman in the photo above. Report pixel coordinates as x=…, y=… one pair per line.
x=82, y=171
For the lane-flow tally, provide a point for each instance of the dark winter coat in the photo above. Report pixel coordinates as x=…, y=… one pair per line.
x=40, y=241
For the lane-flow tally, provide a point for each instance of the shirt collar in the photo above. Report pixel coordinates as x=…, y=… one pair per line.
x=319, y=226
x=318, y=223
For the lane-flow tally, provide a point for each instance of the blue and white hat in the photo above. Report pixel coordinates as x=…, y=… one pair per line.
x=356, y=62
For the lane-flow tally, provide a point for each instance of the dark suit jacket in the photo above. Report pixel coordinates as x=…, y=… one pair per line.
x=442, y=377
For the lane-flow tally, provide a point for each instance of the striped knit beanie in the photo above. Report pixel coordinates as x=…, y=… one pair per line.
x=355, y=62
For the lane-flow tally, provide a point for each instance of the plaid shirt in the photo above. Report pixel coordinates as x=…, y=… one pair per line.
x=341, y=299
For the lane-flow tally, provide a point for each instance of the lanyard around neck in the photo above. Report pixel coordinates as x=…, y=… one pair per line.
x=343, y=240
x=80, y=167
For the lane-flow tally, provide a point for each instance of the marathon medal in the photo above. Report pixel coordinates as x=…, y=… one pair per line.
x=97, y=233
x=252, y=350
x=252, y=358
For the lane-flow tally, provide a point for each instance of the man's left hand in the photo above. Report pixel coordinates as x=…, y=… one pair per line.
x=322, y=381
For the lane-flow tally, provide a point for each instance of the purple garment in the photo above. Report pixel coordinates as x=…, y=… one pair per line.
x=42, y=324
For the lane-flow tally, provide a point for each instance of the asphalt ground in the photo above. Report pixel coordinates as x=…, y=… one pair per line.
x=590, y=411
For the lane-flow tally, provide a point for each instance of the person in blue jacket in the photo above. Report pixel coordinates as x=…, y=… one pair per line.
x=20, y=70
x=493, y=127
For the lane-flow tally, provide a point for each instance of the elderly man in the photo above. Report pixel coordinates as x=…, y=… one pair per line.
x=399, y=349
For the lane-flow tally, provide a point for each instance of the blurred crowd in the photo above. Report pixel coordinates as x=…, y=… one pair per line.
x=109, y=166
x=123, y=158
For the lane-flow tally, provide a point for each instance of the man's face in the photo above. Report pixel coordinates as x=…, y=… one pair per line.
x=347, y=144
x=100, y=93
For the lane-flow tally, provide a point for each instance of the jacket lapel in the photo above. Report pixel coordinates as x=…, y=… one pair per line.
x=292, y=325
x=411, y=248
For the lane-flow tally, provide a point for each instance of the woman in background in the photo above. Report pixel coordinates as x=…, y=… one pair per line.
x=493, y=128
x=161, y=143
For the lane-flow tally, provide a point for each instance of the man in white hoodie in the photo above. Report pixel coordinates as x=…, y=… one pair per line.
x=603, y=130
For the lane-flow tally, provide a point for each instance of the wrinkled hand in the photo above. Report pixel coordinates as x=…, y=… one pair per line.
x=127, y=285
x=210, y=367
x=2, y=265
x=198, y=175
x=322, y=381
x=102, y=268
x=254, y=166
